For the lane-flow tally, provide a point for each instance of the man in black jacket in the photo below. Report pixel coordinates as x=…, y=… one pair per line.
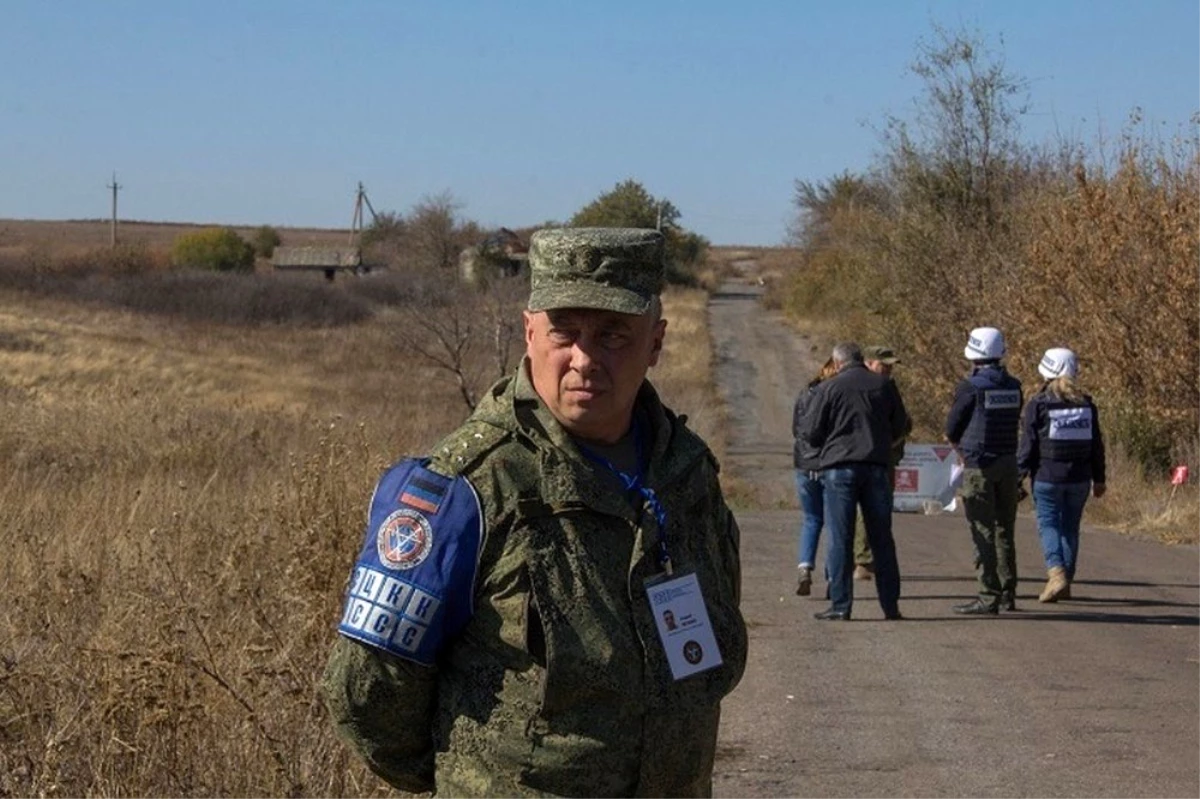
x=852, y=421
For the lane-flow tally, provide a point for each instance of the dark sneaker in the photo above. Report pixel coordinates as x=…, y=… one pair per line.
x=976, y=608
x=804, y=586
x=895, y=615
x=832, y=615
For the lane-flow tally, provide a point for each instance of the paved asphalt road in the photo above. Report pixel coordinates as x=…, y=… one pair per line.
x=1096, y=696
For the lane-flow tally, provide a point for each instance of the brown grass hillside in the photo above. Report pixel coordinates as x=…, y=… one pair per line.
x=180, y=506
x=71, y=237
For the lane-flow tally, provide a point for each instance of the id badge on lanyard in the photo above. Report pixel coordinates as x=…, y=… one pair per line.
x=677, y=604
x=676, y=601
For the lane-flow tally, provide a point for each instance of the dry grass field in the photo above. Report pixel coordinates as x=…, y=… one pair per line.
x=180, y=505
x=72, y=237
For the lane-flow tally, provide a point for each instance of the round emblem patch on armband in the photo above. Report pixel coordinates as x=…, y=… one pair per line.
x=404, y=539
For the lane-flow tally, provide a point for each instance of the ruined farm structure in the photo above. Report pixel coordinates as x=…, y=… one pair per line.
x=330, y=260
x=501, y=254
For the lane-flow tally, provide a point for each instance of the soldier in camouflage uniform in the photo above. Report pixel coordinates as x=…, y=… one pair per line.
x=549, y=604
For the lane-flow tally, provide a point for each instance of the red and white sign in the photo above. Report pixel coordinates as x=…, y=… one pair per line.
x=924, y=476
x=1179, y=475
x=908, y=481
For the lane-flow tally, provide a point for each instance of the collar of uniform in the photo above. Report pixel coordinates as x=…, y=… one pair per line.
x=671, y=451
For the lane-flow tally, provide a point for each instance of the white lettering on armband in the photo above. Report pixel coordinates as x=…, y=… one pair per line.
x=388, y=612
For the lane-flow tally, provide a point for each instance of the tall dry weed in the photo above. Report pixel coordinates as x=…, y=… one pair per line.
x=179, y=513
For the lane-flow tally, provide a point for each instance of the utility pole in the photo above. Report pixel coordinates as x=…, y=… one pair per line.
x=356, y=223
x=115, y=187
x=658, y=223
x=356, y=220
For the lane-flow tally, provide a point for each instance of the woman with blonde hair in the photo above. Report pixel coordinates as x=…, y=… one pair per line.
x=1062, y=450
x=806, y=459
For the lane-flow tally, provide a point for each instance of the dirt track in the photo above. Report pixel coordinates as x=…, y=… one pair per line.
x=1097, y=696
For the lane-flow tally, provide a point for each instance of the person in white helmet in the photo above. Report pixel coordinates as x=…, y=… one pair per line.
x=1062, y=450
x=982, y=426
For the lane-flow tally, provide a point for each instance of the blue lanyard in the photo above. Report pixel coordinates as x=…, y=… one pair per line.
x=633, y=483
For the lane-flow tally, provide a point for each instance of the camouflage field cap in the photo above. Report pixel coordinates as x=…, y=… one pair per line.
x=881, y=353
x=613, y=269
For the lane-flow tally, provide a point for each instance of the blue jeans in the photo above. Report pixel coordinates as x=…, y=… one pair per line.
x=865, y=486
x=812, y=502
x=1059, y=510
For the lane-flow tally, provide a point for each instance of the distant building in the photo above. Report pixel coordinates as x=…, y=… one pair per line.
x=501, y=254
x=325, y=259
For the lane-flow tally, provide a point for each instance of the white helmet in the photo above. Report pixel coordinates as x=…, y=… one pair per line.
x=984, y=344
x=1059, y=362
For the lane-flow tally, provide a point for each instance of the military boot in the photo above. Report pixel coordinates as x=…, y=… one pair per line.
x=1055, y=585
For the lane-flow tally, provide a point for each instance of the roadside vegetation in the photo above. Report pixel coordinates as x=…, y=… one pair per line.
x=960, y=224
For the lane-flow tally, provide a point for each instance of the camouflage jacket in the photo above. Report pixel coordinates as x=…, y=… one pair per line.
x=559, y=684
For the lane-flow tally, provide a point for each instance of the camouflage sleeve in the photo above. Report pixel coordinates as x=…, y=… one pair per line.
x=734, y=640
x=901, y=421
x=733, y=558
x=382, y=706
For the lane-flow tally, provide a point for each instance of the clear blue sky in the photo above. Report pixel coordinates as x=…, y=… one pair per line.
x=271, y=112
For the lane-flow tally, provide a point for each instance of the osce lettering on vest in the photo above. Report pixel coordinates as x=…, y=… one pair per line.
x=1071, y=424
x=1001, y=399
x=413, y=585
x=924, y=479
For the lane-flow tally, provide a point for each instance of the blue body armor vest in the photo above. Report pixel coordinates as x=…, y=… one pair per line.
x=1066, y=430
x=996, y=420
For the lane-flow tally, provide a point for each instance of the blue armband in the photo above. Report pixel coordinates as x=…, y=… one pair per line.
x=414, y=582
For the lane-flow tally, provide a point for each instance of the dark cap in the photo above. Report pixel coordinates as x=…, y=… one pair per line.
x=613, y=269
x=880, y=353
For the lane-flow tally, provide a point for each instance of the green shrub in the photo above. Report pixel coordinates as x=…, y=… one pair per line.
x=1147, y=439
x=266, y=239
x=215, y=249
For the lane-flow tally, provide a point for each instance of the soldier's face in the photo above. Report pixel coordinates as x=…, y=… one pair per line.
x=880, y=368
x=587, y=366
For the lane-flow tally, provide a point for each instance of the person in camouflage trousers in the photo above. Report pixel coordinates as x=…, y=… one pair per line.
x=549, y=604
x=982, y=426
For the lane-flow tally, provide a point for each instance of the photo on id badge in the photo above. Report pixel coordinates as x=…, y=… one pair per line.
x=683, y=626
